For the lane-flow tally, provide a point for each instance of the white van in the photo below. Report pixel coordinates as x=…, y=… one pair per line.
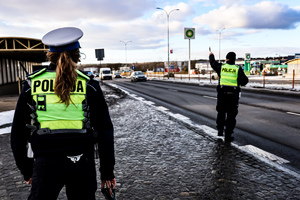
x=105, y=73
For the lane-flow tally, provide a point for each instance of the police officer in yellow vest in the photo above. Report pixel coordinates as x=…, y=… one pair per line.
x=231, y=78
x=62, y=114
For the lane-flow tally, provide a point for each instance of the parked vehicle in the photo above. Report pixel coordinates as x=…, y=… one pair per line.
x=105, y=73
x=138, y=76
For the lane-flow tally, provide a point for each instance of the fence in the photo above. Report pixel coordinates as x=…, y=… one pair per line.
x=292, y=81
x=261, y=80
x=182, y=76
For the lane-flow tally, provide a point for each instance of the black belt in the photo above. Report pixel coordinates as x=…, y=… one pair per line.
x=46, y=131
x=229, y=92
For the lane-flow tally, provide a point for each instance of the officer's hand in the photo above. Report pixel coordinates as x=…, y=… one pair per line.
x=29, y=181
x=109, y=184
x=211, y=53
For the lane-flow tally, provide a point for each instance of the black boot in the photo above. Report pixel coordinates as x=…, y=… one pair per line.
x=220, y=132
x=228, y=136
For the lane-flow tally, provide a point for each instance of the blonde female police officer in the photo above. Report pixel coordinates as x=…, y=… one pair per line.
x=62, y=113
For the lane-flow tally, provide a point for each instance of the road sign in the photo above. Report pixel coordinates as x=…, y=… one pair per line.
x=189, y=33
x=247, y=56
x=247, y=62
x=99, y=54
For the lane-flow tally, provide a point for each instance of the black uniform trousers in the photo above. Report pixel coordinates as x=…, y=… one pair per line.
x=50, y=174
x=227, y=108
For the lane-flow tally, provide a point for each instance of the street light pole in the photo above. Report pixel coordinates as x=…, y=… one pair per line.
x=220, y=32
x=168, y=17
x=125, y=43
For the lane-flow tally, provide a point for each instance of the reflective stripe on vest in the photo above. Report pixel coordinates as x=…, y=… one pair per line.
x=229, y=75
x=52, y=114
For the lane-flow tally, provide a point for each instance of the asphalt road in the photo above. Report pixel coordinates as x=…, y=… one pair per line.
x=267, y=121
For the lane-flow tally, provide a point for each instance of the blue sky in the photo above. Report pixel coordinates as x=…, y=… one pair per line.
x=261, y=28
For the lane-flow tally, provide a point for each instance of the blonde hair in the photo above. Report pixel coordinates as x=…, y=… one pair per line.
x=66, y=74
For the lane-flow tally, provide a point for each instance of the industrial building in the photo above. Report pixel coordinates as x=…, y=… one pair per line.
x=13, y=50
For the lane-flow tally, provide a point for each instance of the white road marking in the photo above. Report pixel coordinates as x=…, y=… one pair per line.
x=149, y=102
x=291, y=113
x=114, y=85
x=162, y=108
x=210, y=97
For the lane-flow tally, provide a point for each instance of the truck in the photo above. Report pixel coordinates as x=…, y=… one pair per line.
x=93, y=70
x=105, y=73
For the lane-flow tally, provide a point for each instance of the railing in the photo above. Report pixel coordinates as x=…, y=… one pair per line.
x=212, y=78
x=182, y=76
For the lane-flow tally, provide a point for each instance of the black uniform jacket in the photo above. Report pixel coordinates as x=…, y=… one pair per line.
x=242, y=78
x=66, y=144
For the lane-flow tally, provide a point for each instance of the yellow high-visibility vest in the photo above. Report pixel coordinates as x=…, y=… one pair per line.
x=52, y=114
x=229, y=75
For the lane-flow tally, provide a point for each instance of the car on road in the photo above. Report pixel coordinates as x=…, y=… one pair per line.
x=117, y=75
x=105, y=73
x=138, y=76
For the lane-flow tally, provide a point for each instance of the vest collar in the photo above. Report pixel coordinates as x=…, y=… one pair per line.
x=51, y=67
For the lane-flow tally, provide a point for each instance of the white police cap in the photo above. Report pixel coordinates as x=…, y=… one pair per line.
x=63, y=39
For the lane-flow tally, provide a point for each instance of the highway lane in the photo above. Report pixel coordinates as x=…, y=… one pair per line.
x=264, y=120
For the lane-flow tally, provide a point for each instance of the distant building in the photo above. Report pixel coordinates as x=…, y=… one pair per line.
x=290, y=57
x=293, y=65
x=297, y=55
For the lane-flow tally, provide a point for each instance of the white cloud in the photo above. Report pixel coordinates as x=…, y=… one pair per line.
x=219, y=2
x=104, y=22
x=263, y=15
x=69, y=10
x=31, y=17
x=297, y=8
x=160, y=16
x=230, y=2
